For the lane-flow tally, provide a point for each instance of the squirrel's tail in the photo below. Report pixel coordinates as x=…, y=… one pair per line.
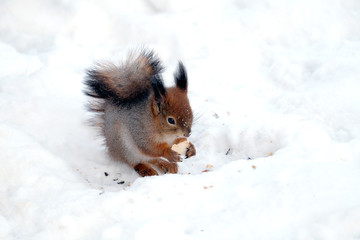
x=125, y=84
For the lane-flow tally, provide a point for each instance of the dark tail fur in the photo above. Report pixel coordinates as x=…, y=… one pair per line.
x=125, y=84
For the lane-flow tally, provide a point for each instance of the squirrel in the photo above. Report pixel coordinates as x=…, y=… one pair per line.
x=139, y=118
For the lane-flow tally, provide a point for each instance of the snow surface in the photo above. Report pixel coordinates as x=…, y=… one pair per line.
x=274, y=85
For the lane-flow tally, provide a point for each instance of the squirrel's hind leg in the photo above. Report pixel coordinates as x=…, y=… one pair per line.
x=145, y=170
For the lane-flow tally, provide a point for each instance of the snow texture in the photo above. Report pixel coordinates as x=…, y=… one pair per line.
x=274, y=85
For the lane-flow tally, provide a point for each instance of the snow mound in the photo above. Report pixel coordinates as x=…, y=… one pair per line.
x=274, y=88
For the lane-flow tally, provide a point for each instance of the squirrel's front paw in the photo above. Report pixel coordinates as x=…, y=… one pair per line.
x=190, y=150
x=172, y=156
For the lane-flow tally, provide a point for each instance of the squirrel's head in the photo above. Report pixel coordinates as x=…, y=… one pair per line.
x=171, y=107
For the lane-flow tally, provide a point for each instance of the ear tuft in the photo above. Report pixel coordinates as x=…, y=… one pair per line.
x=181, y=77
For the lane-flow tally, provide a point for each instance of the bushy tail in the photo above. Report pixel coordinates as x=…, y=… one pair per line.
x=125, y=84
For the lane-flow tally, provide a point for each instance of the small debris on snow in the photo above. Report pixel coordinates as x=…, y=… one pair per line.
x=208, y=168
x=228, y=151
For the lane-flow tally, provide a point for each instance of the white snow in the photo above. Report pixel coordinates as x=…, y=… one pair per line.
x=275, y=90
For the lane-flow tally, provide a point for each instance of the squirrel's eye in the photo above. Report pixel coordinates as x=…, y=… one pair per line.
x=171, y=120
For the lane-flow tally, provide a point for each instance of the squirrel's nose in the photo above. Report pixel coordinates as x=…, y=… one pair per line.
x=187, y=133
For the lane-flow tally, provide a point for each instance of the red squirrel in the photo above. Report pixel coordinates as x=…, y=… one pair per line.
x=140, y=118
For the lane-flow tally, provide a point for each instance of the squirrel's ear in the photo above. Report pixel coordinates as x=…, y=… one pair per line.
x=181, y=77
x=159, y=93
